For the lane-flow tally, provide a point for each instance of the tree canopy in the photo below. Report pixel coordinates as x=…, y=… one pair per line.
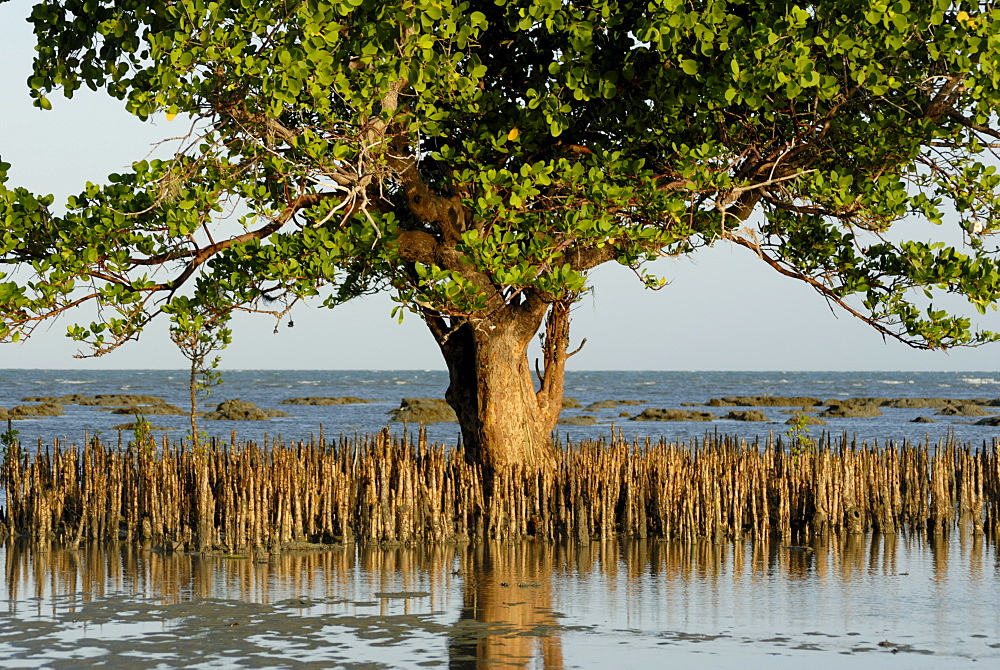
x=477, y=159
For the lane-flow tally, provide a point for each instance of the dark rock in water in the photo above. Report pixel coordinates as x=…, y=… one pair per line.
x=3, y=414
x=807, y=420
x=39, y=410
x=276, y=413
x=424, y=410
x=73, y=399
x=111, y=400
x=125, y=399
x=133, y=426
x=570, y=403
x=161, y=409
x=101, y=400
x=653, y=414
x=238, y=410
x=856, y=402
x=989, y=421
x=922, y=419
x=963, y=409
x=746, y=415
x=852, y=412
x=764, y=401
x=578, y=421
x=611, y=404
x=919, y=403
x=316, y=400
x=798, y=410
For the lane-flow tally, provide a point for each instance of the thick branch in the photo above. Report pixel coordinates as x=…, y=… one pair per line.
x=447, y=214
x=555, y=354
x=943, y=102
x=589, y=258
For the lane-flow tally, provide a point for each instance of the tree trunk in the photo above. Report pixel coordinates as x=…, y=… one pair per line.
x=193, y=401
x=505, y=418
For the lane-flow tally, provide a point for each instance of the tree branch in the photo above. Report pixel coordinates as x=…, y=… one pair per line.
x=827, y=293
x=199, y=256
x=965, y=121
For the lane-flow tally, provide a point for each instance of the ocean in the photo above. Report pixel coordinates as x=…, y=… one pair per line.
x=653, y=389
x=896, y=600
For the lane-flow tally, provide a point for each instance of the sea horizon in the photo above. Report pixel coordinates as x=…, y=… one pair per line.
x=445, y=369
x=385, y=389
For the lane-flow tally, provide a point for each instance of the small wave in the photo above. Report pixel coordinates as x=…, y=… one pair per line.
x=74, y=381
x=978, y=381
x=890, y=381
x=312, y=383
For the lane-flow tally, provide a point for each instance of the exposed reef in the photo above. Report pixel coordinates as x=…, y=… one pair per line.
x=424, y=410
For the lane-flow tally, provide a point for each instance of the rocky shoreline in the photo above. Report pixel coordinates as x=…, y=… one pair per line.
x=761, y=408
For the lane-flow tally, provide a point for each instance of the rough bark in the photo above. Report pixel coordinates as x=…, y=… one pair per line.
x=506, y=420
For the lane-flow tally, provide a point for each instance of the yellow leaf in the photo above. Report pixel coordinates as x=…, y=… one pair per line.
x=512, y=135
x=171, y=115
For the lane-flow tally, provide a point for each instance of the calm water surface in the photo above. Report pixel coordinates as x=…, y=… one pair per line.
x=861, y=601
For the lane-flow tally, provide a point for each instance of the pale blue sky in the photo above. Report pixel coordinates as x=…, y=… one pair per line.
x=725, y=310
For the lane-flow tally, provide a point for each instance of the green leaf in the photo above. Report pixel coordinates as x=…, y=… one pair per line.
x=361, y=144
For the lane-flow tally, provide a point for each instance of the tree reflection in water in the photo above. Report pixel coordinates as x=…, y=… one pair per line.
x=490, y=605
x=506, y=615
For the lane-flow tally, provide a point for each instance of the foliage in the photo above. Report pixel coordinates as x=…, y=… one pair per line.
x=198, y=330
x=142, y=434
x=798, y=433
x=9, y=441
x=475, y=157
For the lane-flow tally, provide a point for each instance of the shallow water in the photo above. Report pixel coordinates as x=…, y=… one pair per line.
x=858, y=601
x=386, y=388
